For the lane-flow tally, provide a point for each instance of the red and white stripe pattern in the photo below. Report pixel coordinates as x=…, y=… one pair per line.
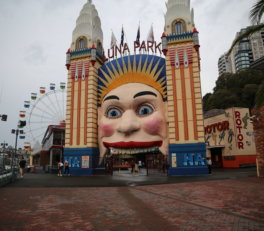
x=181, y=56
x=79, y=70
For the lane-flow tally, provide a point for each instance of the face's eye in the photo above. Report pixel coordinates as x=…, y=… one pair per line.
x=113, y=113
x=145, y=110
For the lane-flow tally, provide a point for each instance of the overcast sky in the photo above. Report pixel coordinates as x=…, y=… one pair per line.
x=35, y=34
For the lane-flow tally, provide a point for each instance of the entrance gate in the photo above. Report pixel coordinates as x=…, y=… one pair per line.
x=145, y=164
x=156, y=164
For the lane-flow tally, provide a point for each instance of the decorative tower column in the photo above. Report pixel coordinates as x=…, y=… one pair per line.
x=185, y=115
x=83, y=60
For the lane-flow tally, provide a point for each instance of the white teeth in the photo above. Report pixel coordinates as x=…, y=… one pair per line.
x=133, y=150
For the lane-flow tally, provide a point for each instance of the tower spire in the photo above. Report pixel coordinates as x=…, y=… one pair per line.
x=178, y=11
x=88, y=27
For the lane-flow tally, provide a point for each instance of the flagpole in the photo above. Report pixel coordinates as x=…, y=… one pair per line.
x=138, y=35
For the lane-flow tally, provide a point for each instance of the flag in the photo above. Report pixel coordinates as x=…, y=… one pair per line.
x=113, y=40
x=151, y=35
x=138, y=35
x=122, y=36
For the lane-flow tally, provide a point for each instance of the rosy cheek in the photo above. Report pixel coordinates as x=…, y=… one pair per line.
x=106, y=130
x=153, y=126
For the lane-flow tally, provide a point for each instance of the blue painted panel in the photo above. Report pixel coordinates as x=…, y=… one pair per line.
x=184, y=171
x=190, y=159
x=81, y=171
x=74, y=156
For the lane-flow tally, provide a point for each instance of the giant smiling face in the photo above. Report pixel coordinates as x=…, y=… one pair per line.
x=132, y=117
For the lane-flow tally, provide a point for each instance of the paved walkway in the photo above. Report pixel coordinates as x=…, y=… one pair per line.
x=227, y=200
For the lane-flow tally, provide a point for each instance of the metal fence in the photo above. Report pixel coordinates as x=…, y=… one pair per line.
x=9, y=168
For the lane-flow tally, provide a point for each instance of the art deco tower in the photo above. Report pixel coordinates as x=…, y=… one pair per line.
x=83, y=60
x=185, y=115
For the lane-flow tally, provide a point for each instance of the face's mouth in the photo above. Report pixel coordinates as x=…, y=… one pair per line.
x=133, y=147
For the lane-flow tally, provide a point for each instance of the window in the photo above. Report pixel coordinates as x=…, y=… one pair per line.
x=81, y=44
x=178, y=28
x=99, y=47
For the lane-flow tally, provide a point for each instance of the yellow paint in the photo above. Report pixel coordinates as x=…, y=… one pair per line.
x=178, y=89
x=181, y=131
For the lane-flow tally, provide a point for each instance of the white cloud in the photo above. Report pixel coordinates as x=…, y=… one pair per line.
x=34, y=54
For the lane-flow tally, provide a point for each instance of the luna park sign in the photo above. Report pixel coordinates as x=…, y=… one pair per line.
x=144, y=46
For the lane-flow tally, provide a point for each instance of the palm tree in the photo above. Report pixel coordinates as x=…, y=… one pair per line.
x=257, y=12
x=255, y=16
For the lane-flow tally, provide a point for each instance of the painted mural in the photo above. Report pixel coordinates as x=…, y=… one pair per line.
x=231, y=131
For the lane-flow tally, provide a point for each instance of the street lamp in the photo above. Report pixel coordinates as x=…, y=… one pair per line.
x=3, y=117
x=21, y=124
x=4, y=145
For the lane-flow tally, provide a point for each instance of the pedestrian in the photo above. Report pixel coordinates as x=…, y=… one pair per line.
x=66, y=168
x=209, y=165
x=136, y=167
x=22, y=165
x=139, y=165
x=132, y=166
x=164, y=166
x=60, y=167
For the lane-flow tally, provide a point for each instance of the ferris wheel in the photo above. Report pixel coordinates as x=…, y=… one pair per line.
x=47, y=107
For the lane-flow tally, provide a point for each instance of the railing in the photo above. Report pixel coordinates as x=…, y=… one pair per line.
x=8, y=173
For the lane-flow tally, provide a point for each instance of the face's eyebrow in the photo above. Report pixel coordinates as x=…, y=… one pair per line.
x=111, y=97
x=144, y=93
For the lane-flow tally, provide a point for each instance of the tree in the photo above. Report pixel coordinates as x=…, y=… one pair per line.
x=257, y=11
x=256, y=14
x=260, y=96
x=236, y=90
x=205, y=101
x=248, y=95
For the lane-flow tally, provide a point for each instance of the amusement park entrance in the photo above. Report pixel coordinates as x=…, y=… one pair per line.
x=143, y=164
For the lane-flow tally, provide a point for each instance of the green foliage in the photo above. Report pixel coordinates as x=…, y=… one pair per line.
x=236, y=90
x=257, y=11
x=206, y=103
x=260, y=96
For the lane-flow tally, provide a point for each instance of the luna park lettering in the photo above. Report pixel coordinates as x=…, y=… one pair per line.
x=144, y=46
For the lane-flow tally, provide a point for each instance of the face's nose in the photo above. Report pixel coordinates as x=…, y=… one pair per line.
x=129, y=123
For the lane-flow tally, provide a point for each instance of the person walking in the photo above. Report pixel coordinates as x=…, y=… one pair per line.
x=22, y=165
x=209, y=165
x=164, y=166
x=66, y=168
x=60, y=167
x=132, y=164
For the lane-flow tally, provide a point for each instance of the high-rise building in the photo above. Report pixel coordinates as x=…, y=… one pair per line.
x=243, y=54
x=224, y=64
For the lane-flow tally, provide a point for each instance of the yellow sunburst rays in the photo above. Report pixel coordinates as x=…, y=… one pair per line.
x=138, y=72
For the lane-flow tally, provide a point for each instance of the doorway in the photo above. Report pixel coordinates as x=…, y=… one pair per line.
x=216, y=157
x=141, y=164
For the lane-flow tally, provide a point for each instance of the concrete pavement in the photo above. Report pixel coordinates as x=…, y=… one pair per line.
x=223, y=201
x=125, y=178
